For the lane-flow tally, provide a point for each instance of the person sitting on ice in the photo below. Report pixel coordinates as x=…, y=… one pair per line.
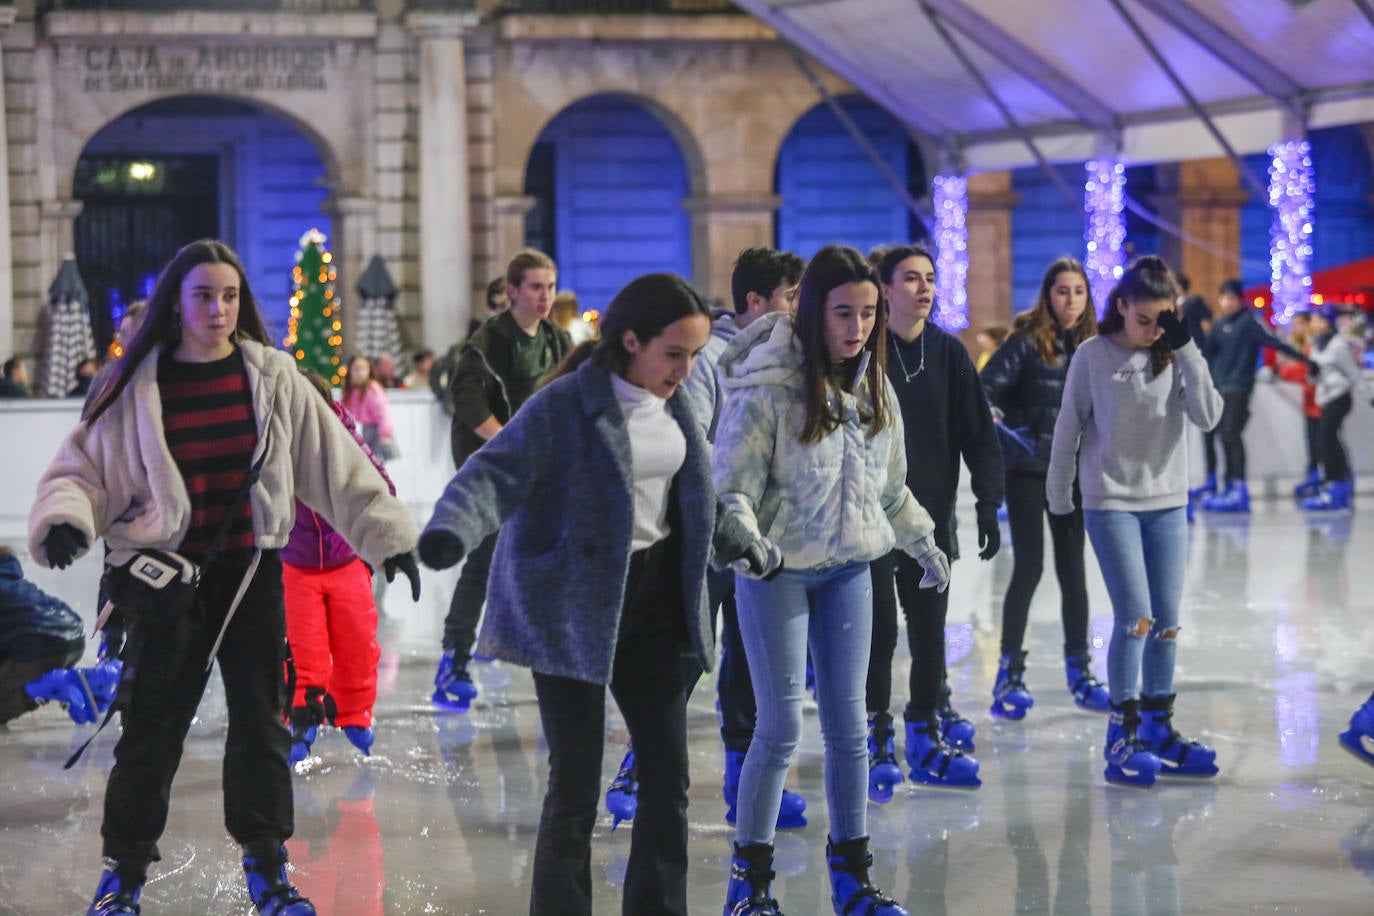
x=40, y=641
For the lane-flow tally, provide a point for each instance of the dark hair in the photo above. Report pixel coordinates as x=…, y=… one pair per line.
x=646, y=306
x=1040, y=324
x=1184, y=284
x=318, y=382
x=831, y=267
x=1231, y=286
x=12, y=364
x=496, y=291
x=421, y=355
x=762, y=270
x=889, y=258
x=162, y=324
x=1147, y=280
x=527, y=259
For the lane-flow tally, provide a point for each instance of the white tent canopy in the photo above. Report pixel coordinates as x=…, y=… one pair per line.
x=1078, y=80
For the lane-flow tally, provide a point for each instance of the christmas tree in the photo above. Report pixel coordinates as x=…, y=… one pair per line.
x=315, y=330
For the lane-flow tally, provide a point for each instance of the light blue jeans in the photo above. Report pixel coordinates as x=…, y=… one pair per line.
x=1143, y=556
x=833, y=609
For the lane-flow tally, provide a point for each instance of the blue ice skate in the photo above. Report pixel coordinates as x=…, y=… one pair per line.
x=1088, y=692
x=361, y=737
x=1235, y=501
x=117, y=893
x=1177, y=755
x=851, y=891
x=751, y=877
x=622, y=798
x=84, y=693
x=1010, y=698
x=883, y=773
x=1358, y=739
x=791, y=811
x=273, y=894
x=933, y=763
x=453, y=686
x=1129, y=763
x=958, y=731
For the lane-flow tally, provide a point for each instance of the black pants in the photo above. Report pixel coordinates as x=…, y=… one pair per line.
x=1209, y=451
x=1337, y=464
x=1235, y=413
x=164, y=671
x=1312, y=426
x=734, y=687
x=1025, y=516
x=898, y=576
x=465, y=610
x=647, y=683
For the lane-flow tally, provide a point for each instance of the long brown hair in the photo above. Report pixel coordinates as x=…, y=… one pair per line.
x=647, y=305
x=162, y=323
x=831, y=267
x=1040, y=324
x=1147, y=280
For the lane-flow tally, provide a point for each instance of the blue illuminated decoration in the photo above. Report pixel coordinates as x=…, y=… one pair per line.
x=951, y=245
x=1104, y=198
x=1292, y=186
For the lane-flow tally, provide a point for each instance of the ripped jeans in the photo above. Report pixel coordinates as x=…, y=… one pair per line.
x=1143, y=557
x=832, y=609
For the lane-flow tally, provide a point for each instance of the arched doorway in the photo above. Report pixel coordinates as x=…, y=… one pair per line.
x=188, y=167
x=831, y=189
x=608, y=181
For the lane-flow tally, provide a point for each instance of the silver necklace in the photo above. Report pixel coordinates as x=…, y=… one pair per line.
x=902, y=362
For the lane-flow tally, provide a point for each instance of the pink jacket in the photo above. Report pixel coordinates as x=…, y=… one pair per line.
x=370, y=408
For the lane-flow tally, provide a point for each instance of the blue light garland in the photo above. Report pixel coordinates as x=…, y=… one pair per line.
x=1104, y=199
x=1292, y=185
x=951, y=245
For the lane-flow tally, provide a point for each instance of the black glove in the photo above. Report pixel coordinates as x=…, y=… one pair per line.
x=62, y=543
x=1071, y=524
x=989, y=534
x=440, y=549
x=404, y=563
x=1175, y=331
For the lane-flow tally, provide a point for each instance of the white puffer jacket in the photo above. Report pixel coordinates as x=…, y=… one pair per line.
x=843, y=499
x=117, y=479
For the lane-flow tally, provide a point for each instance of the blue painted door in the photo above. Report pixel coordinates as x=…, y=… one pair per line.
x=619, y=182
x=831, y=190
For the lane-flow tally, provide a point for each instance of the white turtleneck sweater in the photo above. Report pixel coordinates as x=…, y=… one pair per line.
x=657, y=450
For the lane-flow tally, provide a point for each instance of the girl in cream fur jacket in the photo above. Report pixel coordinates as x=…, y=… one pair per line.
x=162, y=453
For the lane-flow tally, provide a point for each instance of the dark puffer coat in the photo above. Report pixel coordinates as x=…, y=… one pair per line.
x=1027, y=391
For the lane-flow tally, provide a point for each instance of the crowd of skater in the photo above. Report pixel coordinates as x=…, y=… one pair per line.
x=783, y=473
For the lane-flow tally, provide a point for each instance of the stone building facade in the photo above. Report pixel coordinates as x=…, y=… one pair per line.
x=424, y=118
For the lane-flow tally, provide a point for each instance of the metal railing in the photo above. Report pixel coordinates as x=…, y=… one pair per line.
x=615, y=7
x=224, y=6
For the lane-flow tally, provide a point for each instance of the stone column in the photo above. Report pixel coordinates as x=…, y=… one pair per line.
x=990, y=202
x=7, y=15
x=445, y=225
x=1203, y=197
x=723, y=225
x=354, y=222
x=510, y=210
x=57, y=229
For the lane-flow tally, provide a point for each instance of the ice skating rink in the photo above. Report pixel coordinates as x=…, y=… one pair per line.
x=1277, y=651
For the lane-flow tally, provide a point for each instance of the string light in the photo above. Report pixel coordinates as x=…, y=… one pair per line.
x=1104, y=199
x=1292, y=185
x=951, y=245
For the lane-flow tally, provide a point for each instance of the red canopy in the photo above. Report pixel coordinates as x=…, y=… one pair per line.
x=1351, y=283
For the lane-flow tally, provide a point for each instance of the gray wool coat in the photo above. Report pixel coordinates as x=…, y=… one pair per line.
x=557, y=482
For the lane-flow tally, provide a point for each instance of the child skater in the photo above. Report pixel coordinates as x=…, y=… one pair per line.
x=331, y=619
x=1338, y=359
x=162, y=454
x=1129, y=393
x=810, y=455
x=1024, y=381
x=605, y=467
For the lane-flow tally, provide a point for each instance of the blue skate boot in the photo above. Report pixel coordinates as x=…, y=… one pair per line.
x=1010, y=698
x=305, y=724
x=883, y=773
x=958, y=731
x=84, y=693
x=622, y=797
x=1177, y=755
x=1235, y=501
x=361, y=737
x=453, y=686
x=1128, y=761
x=273, y=894
x=751, y=874
x=791, y=812
x=1311, y=485
x=932, y=762
x=1208, y=488
x=1359, y=738
x=1334, y=498
x=118, y=891
x=851, y=892
x=1088, y=692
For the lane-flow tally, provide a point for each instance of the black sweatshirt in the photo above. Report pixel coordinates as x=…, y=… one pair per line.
x=946, y=414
